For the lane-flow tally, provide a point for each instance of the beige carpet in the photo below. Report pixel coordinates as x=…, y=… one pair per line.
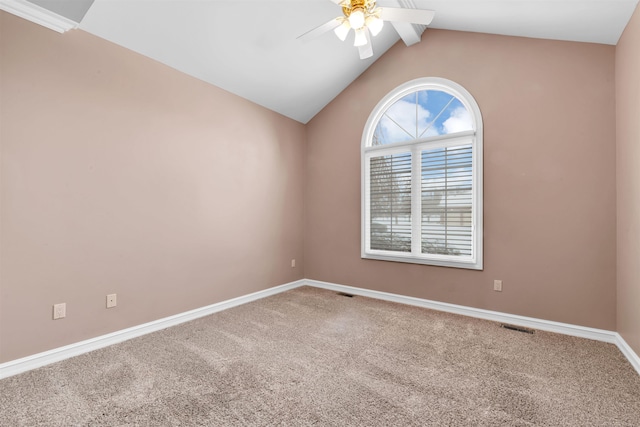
x=313, y=357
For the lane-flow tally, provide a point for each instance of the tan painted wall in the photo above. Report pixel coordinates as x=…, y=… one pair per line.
x=121, y=175
x=628, y=181
x=549, y=120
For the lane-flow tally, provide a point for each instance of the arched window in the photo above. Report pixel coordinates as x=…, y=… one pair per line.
x=422, y=176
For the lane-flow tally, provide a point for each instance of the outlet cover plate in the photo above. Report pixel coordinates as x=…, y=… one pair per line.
x=111, y=300
x=59, y=311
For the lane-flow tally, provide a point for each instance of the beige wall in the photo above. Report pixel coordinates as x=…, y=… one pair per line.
x=549, y=189
x=121, y=175
x=628, y=181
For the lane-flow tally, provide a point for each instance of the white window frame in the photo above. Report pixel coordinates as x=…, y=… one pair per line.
x=473, y=137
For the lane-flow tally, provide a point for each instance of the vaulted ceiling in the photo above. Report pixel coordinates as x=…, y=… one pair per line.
x=250, y=48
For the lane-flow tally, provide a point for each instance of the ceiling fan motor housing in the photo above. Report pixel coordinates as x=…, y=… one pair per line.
x=366, y=6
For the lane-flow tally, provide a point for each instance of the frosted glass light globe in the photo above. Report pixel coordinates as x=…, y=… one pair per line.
x=356, y=19
x=342, y=30
x=361, y=37
x=374, y=24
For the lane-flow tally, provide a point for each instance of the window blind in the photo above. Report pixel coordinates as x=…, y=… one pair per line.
x=447, y=201
x=390, y=202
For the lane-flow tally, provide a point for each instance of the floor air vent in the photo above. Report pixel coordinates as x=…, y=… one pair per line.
x=344, y=294
x=518, y=328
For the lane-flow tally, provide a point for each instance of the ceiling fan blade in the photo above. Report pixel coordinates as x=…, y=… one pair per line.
x=366, y=51
x=312, y=34
x=415, y=16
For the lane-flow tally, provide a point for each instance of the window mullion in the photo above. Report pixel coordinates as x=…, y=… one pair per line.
x=416, y=201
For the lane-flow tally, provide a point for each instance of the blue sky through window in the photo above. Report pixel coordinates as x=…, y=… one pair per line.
x=422, y=114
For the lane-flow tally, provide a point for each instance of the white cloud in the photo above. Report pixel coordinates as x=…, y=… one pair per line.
x=458, y=121
x=398, y=124
x=402, y=115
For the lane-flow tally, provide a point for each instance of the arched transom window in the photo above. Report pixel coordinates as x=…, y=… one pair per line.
x=422, y=176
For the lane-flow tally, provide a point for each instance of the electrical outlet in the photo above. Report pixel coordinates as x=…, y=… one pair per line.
x=111, y=300
x=497, y=285
x=59, y=311
x=293, y=263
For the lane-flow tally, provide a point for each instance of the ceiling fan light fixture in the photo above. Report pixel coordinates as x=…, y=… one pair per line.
x=361, y=37
x=356, y=18
x=367, y=20
x=342, y=30
x=374, y=24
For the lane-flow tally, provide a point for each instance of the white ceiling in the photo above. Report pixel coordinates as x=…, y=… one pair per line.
x=250, y=48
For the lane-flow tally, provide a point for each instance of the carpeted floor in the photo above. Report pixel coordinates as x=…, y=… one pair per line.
x=313, y=357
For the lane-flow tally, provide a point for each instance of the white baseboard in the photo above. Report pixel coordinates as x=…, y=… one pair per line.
x=24, y=364
x=628, y=352
x=18, y=366
x=513, y=319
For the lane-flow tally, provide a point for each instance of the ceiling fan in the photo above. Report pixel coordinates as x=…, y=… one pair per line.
x=366, y=18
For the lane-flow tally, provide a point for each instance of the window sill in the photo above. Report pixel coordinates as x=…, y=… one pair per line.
x=469, y=265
